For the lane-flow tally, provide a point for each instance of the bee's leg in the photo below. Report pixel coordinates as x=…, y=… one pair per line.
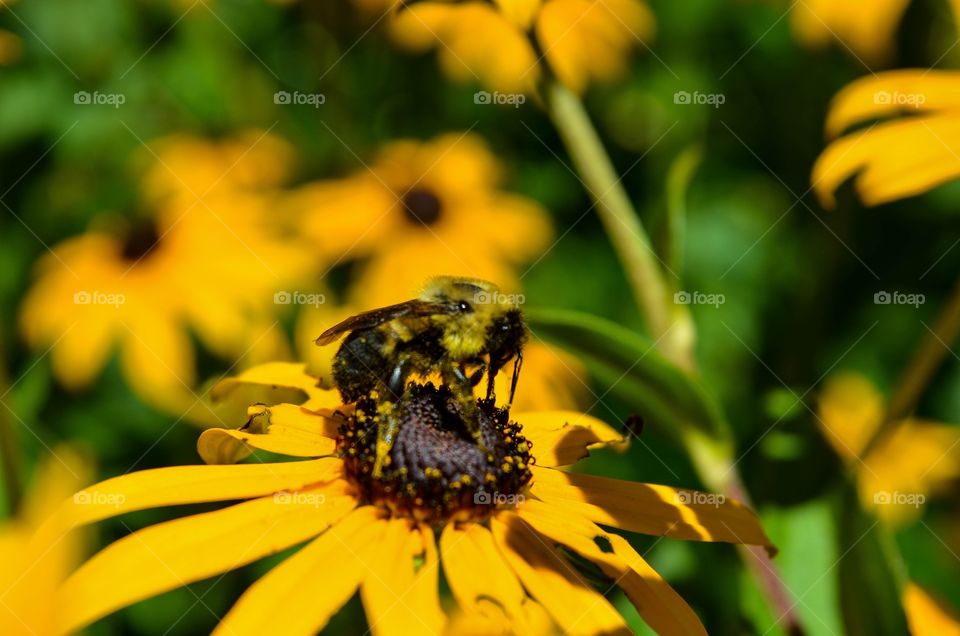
x=454, y=377
x=387, y=431
x=477, y=375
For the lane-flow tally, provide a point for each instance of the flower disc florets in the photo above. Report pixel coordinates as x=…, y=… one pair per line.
x=436, y=470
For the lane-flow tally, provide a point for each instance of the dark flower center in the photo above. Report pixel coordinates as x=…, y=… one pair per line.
x=422, y=206
x=140, y=241
x=436, y=470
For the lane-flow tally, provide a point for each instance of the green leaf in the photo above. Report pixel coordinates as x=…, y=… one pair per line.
x=681, y=174
x=870, y=573
x=627, y=366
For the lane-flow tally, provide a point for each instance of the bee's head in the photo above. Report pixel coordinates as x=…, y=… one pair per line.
x=478, y=317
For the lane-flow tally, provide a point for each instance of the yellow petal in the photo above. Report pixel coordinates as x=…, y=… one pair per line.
x=907, y=467
x=867, y=28
x=479, y=578
x=285, y=429
x=551, y=580
x=851, y=410
x=464, y=32
x=301, y=594
x=894, y=92
x=650, y=509
x=891, y=160
x=282, y=375
x=589, y=40
x=194, y=484
x=926, y=615
x=561, y=438
x=172, y=554
x=659, y=605
x=401, y=596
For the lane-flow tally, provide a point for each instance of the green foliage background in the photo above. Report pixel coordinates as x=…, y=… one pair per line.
x=799, y=281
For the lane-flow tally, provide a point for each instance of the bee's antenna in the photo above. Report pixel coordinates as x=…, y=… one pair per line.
x=517, y=363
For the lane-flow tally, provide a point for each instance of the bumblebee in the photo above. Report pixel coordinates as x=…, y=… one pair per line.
x=458, y=328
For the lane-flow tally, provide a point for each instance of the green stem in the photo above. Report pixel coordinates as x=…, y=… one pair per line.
x=715, y=465
x=669, y=325
x=929, y=356
x=621, y=222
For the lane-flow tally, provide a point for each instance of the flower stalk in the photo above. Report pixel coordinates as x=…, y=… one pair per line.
x=669, y=325
x=621, y=222
x=927, y=359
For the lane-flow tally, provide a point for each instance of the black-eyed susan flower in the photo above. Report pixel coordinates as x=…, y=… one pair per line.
x=915, y=461
x=510, y=45
x=502, y=524
x=867, y=29
x=422, y=208
x=204, y=259
x=38, y=550
x=914, y=147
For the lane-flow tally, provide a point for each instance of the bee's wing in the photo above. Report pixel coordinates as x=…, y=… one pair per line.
x=376, y=317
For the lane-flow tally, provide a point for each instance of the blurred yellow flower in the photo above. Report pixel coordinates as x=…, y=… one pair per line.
x=916, y=460
x=928, y=616
x=915, y=146
x=551, y=377
x=510, y=45
x=207, y=259
x=38, y=550
x=422, y=209
x=500, y=522
x=867, y=29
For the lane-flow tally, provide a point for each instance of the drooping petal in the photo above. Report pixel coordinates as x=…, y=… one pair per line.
x=891, y=160
x=660, y=606
x=650, y=508
x=172, y=554
x=301, y=594
x=561, y=438
x=463, y=33
x=586, y=40
x=480, y=579
x=551, y=580
x=194, y=484
x=401, y=596
x=908, y=91
x=285, y=429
